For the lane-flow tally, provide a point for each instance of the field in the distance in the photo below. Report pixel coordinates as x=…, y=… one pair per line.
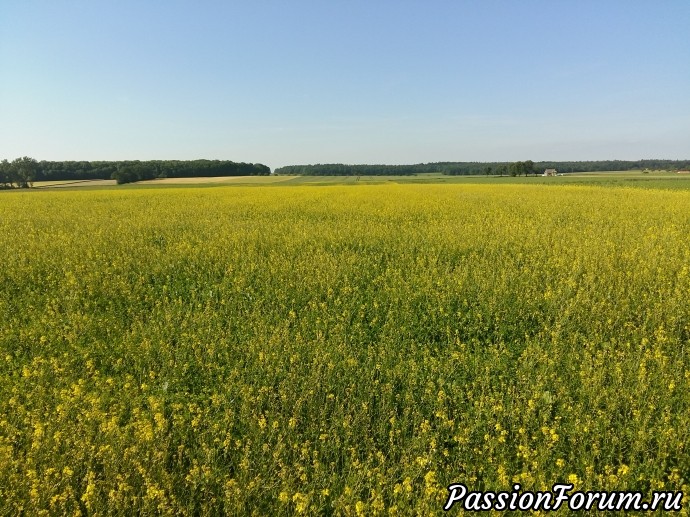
x=653, y=179
x=337, y=350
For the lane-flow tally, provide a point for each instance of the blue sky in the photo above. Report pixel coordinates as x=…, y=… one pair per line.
x=329, y=81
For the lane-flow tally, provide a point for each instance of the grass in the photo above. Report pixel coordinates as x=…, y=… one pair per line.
x=73, y=183
x=338, y=350
x=652, y=180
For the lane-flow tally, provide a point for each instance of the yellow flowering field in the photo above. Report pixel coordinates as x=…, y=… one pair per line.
x=347, y=350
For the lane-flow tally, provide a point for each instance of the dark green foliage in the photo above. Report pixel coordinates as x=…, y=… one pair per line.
x=5, y=174
x=339, y=169
x=23, y=171
x=19, y=173
x=522, y=168
x=474, y=168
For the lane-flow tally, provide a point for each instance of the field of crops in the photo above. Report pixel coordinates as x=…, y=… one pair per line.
x=339, y=349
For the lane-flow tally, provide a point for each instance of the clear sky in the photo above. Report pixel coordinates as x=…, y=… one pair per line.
x=356, y=81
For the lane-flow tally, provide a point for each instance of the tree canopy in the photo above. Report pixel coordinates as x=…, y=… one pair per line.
x=474, y=168
x=22, y=171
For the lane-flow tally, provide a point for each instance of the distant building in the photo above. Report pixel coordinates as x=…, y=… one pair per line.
x=550, y=172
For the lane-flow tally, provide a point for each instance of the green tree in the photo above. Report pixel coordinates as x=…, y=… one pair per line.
x=522, y=168
x=5, y=174
x=24, y=171
x=529, y=167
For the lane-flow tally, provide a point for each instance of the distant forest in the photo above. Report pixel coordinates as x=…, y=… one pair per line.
x=476, y=168
x=23, y=171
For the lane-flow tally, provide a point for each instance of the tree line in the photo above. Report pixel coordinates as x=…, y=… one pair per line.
x=127, y=172
x=339, y=169
x=22, y=172
x=480, y=168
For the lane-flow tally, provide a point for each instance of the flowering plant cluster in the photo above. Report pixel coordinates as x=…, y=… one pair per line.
x=342, y=350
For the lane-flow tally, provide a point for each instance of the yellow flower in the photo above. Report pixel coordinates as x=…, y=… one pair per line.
x=301, y=502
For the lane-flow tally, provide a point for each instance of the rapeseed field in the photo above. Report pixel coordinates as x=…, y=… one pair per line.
x=347, y=350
